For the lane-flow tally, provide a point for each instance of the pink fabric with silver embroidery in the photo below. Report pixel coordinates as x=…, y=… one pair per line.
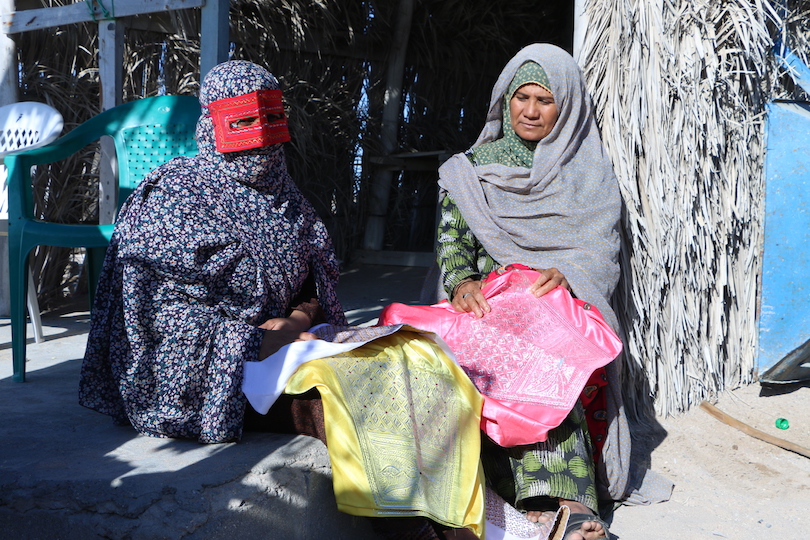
x=530, y=357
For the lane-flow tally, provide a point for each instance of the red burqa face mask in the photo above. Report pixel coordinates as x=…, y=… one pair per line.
x=249, y=121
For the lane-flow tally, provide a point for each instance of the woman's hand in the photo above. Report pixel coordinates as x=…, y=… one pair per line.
x=469, y=297
x=548, y=280
x=282, y=331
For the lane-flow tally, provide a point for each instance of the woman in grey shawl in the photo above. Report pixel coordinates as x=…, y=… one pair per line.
x=538, y=190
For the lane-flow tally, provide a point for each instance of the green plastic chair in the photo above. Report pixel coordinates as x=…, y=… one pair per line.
x=146, y=133
x=25, y=125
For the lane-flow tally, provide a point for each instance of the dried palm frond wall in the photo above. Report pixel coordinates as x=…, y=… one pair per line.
x=330, y=57
x=59, y=66
x=680, y=88
x=321, y=52
x=794, y=31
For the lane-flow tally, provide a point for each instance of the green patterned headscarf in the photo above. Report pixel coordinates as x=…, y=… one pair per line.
x=511, y=150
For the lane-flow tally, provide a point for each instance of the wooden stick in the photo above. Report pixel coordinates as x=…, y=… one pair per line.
x=757, y=434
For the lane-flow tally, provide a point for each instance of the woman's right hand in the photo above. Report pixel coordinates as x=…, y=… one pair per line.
x=548, y=280
x=469, y=297
x=281, y=331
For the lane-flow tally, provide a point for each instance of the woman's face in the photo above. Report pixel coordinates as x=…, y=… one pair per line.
x=533, y=112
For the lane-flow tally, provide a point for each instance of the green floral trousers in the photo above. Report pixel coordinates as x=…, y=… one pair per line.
x=534, y=476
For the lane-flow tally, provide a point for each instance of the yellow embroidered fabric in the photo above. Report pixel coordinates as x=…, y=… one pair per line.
x=403, y=431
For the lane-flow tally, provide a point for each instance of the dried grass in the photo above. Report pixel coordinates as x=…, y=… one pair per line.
x=330, y=57
x=680, y=88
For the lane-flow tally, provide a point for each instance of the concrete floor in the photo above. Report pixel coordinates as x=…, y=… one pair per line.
x=67, y=472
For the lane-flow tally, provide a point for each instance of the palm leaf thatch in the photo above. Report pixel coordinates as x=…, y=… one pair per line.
x=331, y=57
x=795, y=33
x=680, y=88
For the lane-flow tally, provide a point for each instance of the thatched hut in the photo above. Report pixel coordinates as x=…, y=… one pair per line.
x=379, y=90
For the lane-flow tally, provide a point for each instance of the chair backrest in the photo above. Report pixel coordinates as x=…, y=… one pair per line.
x=146, y=132
x=28, y=124
x=151, y=132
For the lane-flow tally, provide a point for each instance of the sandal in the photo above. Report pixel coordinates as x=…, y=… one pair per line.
x=577, y=519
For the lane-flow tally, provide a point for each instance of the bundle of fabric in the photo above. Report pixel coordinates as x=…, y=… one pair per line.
x=401, y=420
x=531, y=357
x=402, y=426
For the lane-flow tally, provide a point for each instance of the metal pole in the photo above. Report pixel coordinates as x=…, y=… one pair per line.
x=214, y=34
x=8, y=95
x=111, y=74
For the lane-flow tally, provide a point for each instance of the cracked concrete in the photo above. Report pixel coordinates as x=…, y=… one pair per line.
x=67, y=472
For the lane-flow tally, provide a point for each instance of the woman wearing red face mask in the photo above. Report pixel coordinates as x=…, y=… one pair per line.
x=216, y=260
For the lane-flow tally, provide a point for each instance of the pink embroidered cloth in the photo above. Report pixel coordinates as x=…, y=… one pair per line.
x=530, y=357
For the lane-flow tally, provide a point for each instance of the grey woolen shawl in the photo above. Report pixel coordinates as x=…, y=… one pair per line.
x=562, y=213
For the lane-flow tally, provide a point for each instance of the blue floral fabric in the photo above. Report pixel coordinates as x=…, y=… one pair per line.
x=204, y=251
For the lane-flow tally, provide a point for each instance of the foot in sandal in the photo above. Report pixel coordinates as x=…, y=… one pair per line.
x=583, y=524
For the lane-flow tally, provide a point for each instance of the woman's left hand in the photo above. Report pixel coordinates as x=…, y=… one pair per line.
x=548, y=280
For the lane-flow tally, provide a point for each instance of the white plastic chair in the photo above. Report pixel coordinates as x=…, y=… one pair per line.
x=23, y=126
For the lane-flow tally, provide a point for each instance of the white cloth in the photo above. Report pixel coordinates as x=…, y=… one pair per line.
x=264, y=381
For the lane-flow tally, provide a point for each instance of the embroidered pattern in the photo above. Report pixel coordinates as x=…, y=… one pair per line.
x=399, y=398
